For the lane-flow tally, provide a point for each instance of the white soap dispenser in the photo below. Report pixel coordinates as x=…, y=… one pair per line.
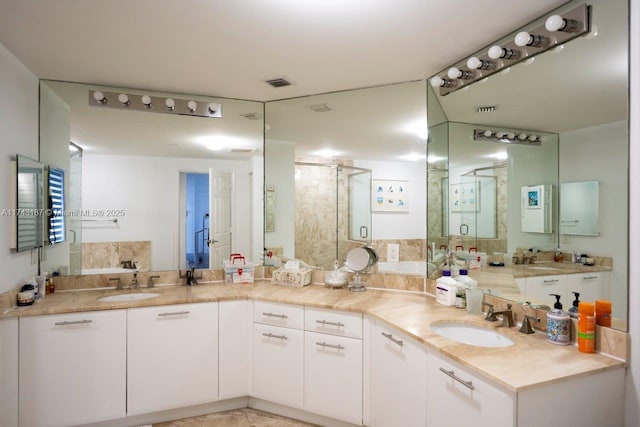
x=558, y=324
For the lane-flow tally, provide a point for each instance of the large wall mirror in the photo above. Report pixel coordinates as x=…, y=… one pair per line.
x=152, y=190
x=346, y=169
x=576, y=99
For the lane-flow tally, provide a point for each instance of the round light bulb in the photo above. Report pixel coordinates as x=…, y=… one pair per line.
x=533, y=138
x=99, y=97
x=123, y=99
x=170, y=103
x=495, y=52
x=454, y=73
x=487, y=133
x=510, y=135
x=437, y=81
x=522, y=136
x=192, y=106
x=474, y=63
x=213, y=108
x=146, y=100
x=555, y=23
x=500, y=135
x=522, y=39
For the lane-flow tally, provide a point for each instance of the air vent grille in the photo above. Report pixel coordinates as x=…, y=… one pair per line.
x=279, y=82
x=486, y=109
x=319, y=108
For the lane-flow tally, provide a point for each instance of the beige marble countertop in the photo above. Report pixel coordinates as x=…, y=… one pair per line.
x=530, y=362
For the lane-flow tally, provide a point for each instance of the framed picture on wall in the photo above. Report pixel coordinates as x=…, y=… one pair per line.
x=464, y=197
x=390, y=195
x=533, y=198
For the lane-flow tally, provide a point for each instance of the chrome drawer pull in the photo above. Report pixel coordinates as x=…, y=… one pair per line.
x=336, y=346
x=73, y=322
x=326, y=322
x=281, y=316
x=551, y=281
x=270, y=335
x=173, y=313
x=589, y=277
x=467, y=384
x=395, y=340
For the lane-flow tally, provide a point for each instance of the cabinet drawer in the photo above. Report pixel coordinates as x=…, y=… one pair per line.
x=539, y=288
x=333, y=322
x=591, y=286
x=272, y=313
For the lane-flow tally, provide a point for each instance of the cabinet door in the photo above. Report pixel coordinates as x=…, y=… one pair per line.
x=172, y=357
x=72, y=368
x=233, y=349
x=277, y=364
x=333, y=376
x=398, y=379
x=456, y=397
x=539, y=288
x=591, y=286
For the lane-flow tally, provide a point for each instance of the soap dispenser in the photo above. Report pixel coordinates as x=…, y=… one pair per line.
x=558, y=324
x=573, y=311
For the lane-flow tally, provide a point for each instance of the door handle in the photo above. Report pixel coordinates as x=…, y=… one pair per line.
x=464, y=227
x=364, y=232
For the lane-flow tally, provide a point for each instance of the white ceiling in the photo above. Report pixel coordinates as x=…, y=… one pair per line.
x=228, y=48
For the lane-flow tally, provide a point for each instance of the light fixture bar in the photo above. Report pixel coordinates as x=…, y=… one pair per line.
x=154, y=104
x=557, y=30
x=507, y=137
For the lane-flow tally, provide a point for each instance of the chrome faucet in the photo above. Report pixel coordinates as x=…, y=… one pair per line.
x=116, y=279
x=150, y=284
x=526, y=325
x=134, y=281
x=507, y=316
x=191, y=277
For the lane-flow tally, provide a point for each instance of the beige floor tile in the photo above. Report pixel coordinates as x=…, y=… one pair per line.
x=236, y=418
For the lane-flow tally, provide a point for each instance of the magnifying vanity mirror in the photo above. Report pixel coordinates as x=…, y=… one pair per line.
x=359, y=260
x=573, y=101
x=151, y=189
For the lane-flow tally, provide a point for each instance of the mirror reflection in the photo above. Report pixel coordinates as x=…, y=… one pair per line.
x=151, y=191
x=581, y=119
x=349, y=168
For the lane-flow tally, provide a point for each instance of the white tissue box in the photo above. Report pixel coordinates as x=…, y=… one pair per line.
x=287, y=277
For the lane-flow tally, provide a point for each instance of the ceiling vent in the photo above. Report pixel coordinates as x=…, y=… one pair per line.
x=280, y=82
x=486, y=109
x=319, y=108
x=252, y=116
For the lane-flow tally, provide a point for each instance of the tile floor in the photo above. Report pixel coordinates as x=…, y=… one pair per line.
x=236, y=418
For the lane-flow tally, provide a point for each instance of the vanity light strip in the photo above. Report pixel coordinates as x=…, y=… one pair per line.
x=580, y=16
x=154, y=104
x=505, y=137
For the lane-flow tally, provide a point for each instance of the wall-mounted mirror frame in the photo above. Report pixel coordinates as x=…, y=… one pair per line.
x=562, y=92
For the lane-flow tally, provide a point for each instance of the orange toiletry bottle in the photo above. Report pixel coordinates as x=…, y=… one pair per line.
x=603, y=312
x=586, y=327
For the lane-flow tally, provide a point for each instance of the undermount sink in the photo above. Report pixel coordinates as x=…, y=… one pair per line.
x=472, y=335
x=129, y=297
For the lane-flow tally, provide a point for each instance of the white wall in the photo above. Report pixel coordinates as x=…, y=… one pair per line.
x=632, y=392
x=147, y=189
x=592, y=154
x=411, y=225
x=18, y=135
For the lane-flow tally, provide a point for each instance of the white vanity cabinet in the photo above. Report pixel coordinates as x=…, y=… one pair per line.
x=233, y=344
x=591, y=286
x=333, y=364
x=172, y=357
x=398, y=379
x=539, y=288
x=457, y=397
x=278, y=353
x=72, y=368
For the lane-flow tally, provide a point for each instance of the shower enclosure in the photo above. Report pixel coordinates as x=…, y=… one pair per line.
x=332, y=212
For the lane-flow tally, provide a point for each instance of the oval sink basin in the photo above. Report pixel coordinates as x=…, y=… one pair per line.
x=472, y=335
x=129, y=297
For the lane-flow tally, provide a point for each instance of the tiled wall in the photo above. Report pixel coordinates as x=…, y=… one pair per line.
x=112, y=254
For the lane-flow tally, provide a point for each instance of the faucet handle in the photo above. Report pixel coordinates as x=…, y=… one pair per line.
x=526, y=325
x=116, y=279
x=151, y=284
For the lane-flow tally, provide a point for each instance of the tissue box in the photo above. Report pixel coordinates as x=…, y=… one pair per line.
x=287, y=277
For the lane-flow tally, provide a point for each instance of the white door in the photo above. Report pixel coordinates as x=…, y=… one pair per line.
x=219, y=218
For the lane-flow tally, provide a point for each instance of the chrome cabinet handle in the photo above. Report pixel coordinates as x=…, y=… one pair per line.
x=173, y=313
x=73, y=322
x=589, y=277
x=395, y=340
x=467, y=384
x=326, y=322
x=281, y=316
x=336, y=346
x=270, y=335
x=551, y=281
